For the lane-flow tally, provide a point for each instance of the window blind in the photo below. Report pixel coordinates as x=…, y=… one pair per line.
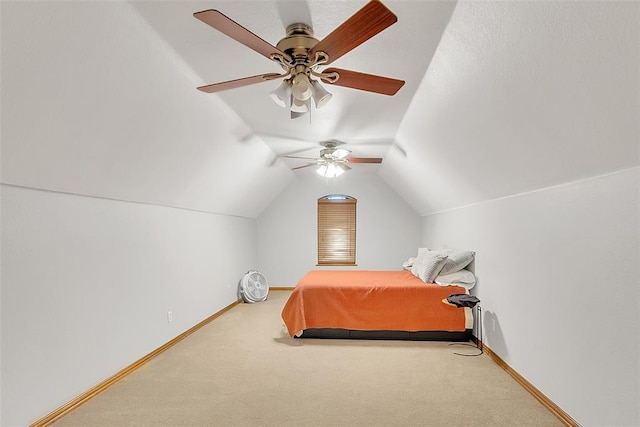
x=337, y=231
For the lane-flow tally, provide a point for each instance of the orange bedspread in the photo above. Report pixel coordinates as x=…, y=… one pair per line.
x=370, y=300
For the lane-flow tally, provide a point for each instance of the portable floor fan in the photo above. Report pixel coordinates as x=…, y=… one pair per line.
x=254, y=287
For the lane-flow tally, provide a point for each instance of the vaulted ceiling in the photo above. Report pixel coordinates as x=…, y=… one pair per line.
x=99, y=98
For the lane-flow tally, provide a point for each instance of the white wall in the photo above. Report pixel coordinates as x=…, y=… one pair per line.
x=388, y=230
x=87, y=283
x=558, y=272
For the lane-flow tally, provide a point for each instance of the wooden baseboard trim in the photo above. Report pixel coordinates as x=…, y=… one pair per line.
x=70, y=406
x=281, y=288
x=546, y=402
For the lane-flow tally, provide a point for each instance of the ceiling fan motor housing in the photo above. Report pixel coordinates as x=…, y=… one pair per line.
x=298, y=42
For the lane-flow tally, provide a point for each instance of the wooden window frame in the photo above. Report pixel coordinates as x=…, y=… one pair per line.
x=337, y=216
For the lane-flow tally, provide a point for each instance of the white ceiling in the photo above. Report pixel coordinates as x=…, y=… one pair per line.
x=500, y=98
x=520, y=96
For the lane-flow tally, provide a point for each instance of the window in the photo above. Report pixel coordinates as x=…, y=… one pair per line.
x=337, y=230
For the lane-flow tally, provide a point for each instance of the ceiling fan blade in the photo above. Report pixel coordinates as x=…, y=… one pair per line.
x=237, y=32
x=340, y=153
x=344, y=166
x=289, y=154
x=232, y=84
x=297, y=157
x=366, y=82
x=360, y=27
x=304, y=166
x=364, y=159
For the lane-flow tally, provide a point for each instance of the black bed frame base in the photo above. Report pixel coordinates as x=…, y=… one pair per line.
x=334, y=333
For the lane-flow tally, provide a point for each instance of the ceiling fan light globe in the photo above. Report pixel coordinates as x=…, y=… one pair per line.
x=320, y=94
x=333, y=171
x=301, y=88
x=282, y=95
x=322, y=170
x=298, y=106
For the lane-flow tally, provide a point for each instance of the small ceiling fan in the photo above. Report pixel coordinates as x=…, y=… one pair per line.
x=300, y=54
x=333, y=161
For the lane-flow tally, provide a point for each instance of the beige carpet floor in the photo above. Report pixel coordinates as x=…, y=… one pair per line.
x=242, y=369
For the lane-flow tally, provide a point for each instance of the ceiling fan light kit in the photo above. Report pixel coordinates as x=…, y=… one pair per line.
x=330, y=170
x=320, y=95
x=282, y=95
x=298, y=106
x=301, y=87
x=300, y=55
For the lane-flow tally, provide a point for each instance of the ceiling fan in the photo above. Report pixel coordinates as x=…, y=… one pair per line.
x=300, y=55
x=333, y=161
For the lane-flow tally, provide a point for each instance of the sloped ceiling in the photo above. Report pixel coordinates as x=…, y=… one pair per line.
x=99, y=98
x=94, y=103
x=520, y=96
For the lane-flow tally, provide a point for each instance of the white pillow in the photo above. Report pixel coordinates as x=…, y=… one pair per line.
x=456, y=260
x=427, y=265
x=408, y=264
x=463, y=278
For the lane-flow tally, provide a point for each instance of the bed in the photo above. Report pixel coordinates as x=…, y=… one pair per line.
x=358, y=304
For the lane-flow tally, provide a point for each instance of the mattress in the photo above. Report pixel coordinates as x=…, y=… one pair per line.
x=357, y=300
